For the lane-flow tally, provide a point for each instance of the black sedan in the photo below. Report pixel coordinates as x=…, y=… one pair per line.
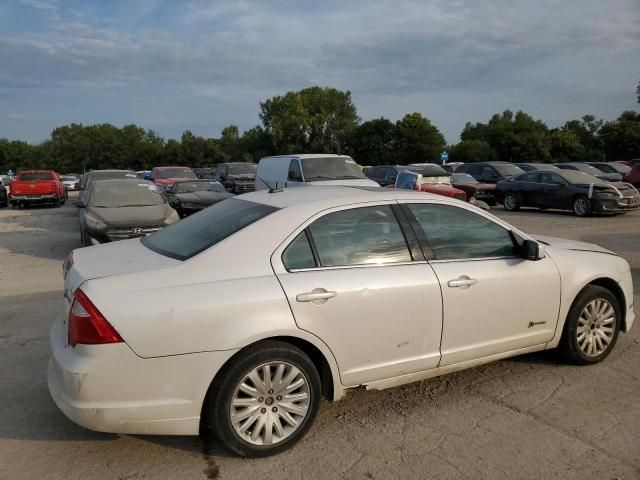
x=530, y=167
x=191, y=196
x=120, y=209
x=567, y=190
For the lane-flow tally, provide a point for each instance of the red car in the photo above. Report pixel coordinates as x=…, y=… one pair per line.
x=164, y=177
x=633, y=176
x=37, y=187
x=429, y=178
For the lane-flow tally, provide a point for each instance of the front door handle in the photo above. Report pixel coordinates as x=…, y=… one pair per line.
x=462, y=282
x=319, y=295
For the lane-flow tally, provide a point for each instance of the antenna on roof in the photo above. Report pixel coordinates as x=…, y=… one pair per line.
x=271, y=189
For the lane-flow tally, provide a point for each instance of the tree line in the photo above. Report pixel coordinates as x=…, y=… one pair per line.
x=325, y=120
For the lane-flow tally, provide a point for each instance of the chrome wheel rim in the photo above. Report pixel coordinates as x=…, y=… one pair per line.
x=596, y=327
x=509, y=202
x=580, y=206
x=270, y=403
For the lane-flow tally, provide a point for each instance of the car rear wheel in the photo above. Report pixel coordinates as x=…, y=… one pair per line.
x=592, y=326
x=264, y=400
x=582, y=206
x=511, y=202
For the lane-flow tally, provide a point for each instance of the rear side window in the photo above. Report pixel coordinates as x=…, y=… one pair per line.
x=298, y=254
x=194, y=234
x=359, y=236
x=458, y=234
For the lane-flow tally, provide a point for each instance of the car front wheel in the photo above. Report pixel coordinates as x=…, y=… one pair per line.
x=582, y=206
x=264, y=400
x=592, y=326
x=511, y=202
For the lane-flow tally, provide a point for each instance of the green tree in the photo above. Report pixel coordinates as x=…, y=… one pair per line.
x=621, y=137
x=373, y=142
x=514, y=138
x=472, y=150
x=255, y=144
x=418, y=140
x=315, y=119
x=566, y=146
x=587, y=130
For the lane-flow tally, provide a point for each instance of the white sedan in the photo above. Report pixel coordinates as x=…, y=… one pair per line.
x=240, y=317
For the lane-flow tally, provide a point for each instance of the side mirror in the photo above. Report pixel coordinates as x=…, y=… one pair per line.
x=79, y=204
x=532, y=250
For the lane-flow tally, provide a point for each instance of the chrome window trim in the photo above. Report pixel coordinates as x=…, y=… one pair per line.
x=363, y=265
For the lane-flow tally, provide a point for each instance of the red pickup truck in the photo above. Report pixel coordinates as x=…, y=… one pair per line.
x=37, y=187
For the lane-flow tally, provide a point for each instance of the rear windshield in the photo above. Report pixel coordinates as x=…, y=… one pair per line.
x=33, y=176
x=95, y=176
x=330, y=168
x=196, y=233
x=177, y=172
x=505, y=169
x=578, y=177
x=463, y=178
x=67, y=178
x=125, y=194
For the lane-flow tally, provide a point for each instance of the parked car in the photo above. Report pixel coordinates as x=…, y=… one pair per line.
x=144, y=174
x=633, y=176
x=611, y=167
x=451, y=167
x=432, y=179
x=6, y=181
x=237, y=177
x=96, y=175
x=309, y=169
x=121, y=209
x=205, y=173
x=32, y=187
x=240, y=317
x=70, y=182
x=188, y=197
x=530, y=167
x=4, y=195
x=474, y=189
x=586, y=168
x=385, y=175
x=490, y=172
x=164, y=177
x=567, y=190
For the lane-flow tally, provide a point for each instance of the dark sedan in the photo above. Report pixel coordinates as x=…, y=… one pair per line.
x=611, y=167
x=567, y=190
x=188, y=197
x=586, y=168
x=121, y=209
x=490, y=172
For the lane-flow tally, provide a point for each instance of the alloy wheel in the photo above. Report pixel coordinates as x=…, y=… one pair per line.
x=270, y=403
x=581, y=207
x=596, y=327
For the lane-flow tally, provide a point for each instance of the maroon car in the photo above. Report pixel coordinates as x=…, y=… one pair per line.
x=474, y=188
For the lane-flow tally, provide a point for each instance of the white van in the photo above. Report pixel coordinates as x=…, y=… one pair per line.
x=309, y=169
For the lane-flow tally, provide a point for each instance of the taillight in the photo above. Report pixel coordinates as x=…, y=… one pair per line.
x=66, y=266
x=87, y=325
x=460, y=196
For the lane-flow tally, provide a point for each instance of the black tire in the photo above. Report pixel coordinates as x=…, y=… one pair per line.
x=569, y=346
x=582, y=206
x=511, y=202
x=216, y=409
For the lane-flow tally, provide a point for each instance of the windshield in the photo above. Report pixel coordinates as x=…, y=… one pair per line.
x=576, y=176
x=463, y=178
x=507, y=170
x=198, y=232
x=437, y=180
x=330, y=168
x=190, y=187
x=242, y=169
x=34, y=176
x=117, y=194
x=175, y=172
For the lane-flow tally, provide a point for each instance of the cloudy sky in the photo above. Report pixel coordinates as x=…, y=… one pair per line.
x=200, y=65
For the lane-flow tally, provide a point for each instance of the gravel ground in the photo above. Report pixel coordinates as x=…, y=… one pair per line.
x=527, y=417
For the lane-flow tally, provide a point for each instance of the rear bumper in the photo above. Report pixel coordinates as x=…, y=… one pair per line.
x=44, y=198
x=107, y=388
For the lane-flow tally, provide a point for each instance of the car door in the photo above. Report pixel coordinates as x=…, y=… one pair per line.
x=555, y=192
x=351, y=280
x=494, y=300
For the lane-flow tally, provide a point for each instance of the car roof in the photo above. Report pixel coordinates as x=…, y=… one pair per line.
x=310, y=155
x=170, y=166
x=109, y=181
x=333, y=196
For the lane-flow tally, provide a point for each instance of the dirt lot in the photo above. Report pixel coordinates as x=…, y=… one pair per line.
x=528, y=417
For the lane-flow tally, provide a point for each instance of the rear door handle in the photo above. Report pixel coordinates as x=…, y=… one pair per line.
x=315, y=295
x=462, y=282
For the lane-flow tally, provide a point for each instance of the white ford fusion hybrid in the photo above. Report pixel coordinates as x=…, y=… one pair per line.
x=240, y=317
